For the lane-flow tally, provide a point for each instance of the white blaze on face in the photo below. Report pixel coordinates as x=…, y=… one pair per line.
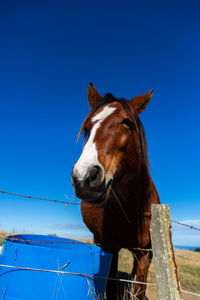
x=89, y=155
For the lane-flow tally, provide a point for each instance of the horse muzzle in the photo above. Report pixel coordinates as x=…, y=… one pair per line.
x=92, y=186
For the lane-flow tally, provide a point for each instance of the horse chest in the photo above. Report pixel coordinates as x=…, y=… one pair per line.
x=111, y=227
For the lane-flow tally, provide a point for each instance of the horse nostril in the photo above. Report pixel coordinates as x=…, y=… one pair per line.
x=95, y=176
x=93, y=173
x=74, y=176
x=73, y=179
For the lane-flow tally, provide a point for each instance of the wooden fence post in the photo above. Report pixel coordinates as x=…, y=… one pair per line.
x=164, y=260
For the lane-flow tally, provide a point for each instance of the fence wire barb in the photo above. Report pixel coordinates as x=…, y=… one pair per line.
x=13, y=238
x=73, y=203
x=38, y=198
x=182, y=224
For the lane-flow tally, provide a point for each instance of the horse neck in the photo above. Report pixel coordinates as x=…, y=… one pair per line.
x=136, y=192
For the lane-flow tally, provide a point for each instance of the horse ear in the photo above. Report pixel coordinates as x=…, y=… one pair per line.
x=93, y=95
x=139, y=103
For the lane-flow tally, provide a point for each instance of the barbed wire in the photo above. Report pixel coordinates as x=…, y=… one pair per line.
x=79, y=242
x=38, y=198
x=13, y=238
x=74, y=203
x=76, y=242
x=182, y=224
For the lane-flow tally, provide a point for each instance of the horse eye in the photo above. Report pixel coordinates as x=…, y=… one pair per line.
x=128, y=123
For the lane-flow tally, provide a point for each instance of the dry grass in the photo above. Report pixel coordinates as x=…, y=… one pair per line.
x=3, y=234
x=188, y=263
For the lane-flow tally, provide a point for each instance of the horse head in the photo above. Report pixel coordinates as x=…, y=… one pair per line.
x=115, y=149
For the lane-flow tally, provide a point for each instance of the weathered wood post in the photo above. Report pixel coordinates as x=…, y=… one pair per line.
x=163, y=253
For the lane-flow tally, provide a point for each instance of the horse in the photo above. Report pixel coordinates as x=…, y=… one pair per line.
x=112, y=179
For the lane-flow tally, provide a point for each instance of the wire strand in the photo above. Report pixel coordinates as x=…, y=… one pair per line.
x=90, y=276
x=73, y=203
x=38, y=198
x=13, y=238
x=46, y=270
x=182, y=224
x=118, y=201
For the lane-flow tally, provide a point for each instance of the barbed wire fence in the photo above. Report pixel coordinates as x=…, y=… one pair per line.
x=90, y=276
x=74, y=203
x=13, y=238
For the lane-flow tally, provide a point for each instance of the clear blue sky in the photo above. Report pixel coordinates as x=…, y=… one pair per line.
x=49, y=52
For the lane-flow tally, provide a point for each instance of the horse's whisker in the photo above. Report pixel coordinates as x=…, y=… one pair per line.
x=118, y=201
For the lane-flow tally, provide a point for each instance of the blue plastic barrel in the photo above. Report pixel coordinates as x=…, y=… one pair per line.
x=82, y=264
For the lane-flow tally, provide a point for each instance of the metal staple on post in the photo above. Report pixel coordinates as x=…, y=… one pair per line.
x=164, y=260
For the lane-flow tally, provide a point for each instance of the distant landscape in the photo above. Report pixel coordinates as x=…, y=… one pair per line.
x=186, y=247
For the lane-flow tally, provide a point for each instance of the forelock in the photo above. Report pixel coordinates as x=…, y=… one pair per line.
x=107, y=99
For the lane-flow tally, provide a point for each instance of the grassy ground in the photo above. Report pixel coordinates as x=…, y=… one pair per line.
x=3, y=234
x=188, y=263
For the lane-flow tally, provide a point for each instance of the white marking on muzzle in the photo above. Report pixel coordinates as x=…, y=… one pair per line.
x=89, y=155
